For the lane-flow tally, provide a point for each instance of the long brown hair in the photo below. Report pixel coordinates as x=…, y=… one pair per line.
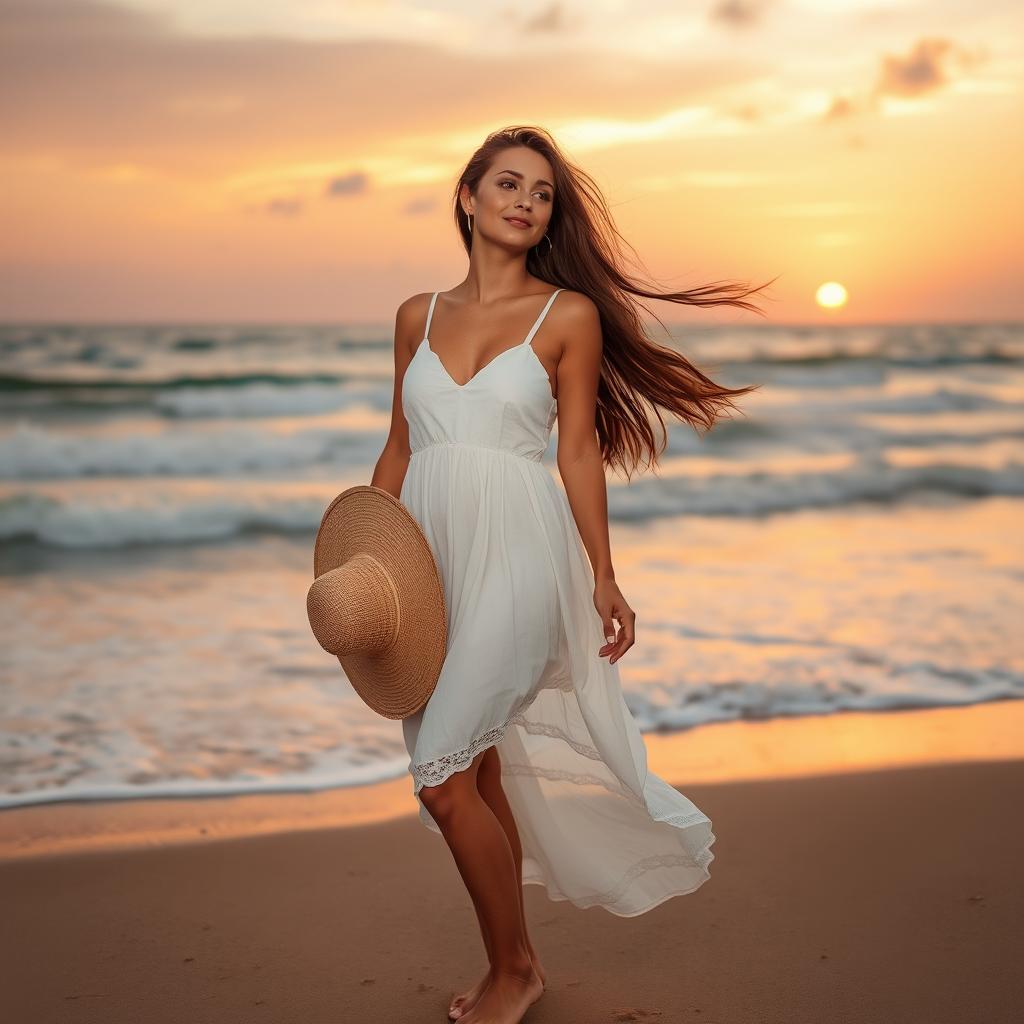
x=585, y=255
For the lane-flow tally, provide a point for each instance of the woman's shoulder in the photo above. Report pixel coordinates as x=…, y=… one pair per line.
x=415, y=302
x=412, y=311
x=575, y=309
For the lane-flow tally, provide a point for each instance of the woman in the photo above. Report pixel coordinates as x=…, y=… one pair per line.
x=526, y=758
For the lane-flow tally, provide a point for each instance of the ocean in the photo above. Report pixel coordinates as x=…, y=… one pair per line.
x=850, y=540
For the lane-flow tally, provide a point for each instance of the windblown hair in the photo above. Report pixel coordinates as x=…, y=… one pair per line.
x=585, y=255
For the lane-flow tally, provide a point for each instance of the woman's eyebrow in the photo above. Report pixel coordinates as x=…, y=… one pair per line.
x=539, y=181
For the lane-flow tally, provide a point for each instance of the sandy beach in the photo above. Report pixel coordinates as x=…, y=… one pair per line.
x=854, y=881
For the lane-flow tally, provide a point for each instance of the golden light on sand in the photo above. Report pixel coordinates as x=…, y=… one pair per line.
x=831, y=295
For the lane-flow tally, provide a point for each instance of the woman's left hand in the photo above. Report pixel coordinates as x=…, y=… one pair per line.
x=610, y=604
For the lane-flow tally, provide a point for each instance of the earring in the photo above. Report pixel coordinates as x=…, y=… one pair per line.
x=469, y=217
x=550, y=245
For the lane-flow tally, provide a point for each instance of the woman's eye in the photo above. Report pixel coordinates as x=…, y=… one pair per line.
x=543, y=195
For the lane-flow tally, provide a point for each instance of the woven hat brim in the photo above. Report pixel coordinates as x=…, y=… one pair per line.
x=398, y=681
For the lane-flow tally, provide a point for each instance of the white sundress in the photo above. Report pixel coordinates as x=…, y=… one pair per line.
x=522, y=670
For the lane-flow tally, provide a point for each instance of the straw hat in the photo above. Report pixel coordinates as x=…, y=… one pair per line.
x=377, y=602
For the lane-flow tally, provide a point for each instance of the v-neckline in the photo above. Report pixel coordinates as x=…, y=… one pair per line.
x=455, y=383
x=527, y=342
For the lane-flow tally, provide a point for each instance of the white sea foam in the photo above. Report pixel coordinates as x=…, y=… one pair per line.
x=169, y=514
x=31, y=451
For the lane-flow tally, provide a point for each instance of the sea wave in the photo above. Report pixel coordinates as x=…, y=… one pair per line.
x=74, y=380
x=31, y=452
x=168, y=515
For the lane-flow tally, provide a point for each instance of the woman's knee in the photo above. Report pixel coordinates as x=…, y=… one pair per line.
x=436, y=799
x=442, y=800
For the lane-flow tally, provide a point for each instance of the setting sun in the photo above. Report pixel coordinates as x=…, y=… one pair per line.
x=831, y=295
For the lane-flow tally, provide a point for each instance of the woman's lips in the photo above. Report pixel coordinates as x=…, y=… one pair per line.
x=517, y=223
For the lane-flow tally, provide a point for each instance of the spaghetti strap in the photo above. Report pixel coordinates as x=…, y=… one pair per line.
x=430, y=313
x=540, y=319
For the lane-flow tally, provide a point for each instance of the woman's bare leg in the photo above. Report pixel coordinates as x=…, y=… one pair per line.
x=483, y=856
x=488, y=781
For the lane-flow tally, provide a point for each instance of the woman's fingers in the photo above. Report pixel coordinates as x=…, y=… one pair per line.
x=612, y=609
x=608, y=626
x=626, y=636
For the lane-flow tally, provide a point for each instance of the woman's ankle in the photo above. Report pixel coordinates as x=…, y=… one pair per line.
x=518, y=967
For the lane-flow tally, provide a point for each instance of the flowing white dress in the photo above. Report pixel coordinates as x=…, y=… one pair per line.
x=522, y=671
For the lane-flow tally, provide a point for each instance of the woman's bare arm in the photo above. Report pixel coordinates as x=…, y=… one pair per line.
x=580, y=465
x=391, y=467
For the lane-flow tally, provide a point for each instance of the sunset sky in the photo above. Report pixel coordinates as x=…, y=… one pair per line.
x=221, y=160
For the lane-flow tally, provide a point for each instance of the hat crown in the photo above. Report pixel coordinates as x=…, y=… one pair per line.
x=377, y=600
x=354, y=607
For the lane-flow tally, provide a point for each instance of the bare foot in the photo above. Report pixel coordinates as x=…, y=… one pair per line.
x=461, y=1005
x=465, y=1002
x=506, y=998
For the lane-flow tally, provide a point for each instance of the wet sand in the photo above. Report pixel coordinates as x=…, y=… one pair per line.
x=855, y=879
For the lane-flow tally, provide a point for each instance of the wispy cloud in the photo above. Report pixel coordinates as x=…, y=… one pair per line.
x=928, y=66
x=925, y=68
x=551, y=19
x=740, y=13
x=348, y=184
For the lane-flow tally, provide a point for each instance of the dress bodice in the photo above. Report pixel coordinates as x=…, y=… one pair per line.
x=506, y=405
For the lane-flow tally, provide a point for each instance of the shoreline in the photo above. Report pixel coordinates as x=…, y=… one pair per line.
x=719, y=753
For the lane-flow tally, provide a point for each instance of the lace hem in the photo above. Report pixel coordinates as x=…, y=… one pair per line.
x=685, y=820
x=433, y=773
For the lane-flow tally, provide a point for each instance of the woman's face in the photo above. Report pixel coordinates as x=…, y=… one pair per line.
x=518, y=186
